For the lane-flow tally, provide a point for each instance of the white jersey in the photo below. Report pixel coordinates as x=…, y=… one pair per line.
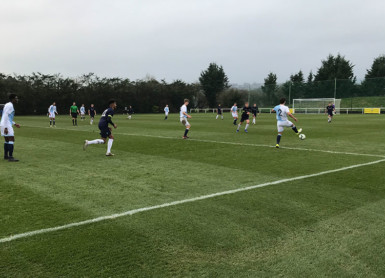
x=82, y=110
x=166, y=110
x=52, y=109
x=234, y=109
x=7, y=116
x=281, y=111
x=183, y=108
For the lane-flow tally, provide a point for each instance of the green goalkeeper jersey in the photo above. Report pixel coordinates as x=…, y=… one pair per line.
x=74, y=109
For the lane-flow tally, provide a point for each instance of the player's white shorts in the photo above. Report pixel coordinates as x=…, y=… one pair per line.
x=282, y=124
x=235, y=115
x=52, y=115
x=184, y=121
x=10, y=131
x=82, y=114
x=166, y=113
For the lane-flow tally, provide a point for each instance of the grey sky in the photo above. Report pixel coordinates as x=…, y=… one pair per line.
x=177, y=39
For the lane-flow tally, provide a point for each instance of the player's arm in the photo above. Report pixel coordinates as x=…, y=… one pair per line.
x=109, y=120
x=273, y=110
x=187, y=115
x=291, y=116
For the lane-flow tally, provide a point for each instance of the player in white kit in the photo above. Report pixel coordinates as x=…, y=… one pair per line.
x=282, y=112
x=52, y=112
x=166, y=110
x=82, y=112
x=234, y=113
x=184, y=116
x=7, y=129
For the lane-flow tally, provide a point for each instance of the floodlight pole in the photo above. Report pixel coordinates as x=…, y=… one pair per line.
x=289, y=92
x=335, y=88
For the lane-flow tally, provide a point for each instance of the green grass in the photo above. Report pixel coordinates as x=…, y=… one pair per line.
x=329, y=225
x=363, y=102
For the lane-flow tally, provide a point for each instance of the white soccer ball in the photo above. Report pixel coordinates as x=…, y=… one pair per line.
x=302, y=136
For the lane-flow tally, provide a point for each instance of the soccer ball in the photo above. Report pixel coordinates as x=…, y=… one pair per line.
x=302, y=136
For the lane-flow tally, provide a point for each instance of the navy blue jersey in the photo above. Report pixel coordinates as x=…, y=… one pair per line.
x=255, y=110
x=106, y=118
x=246, y=110
x=330, y=109
x=219, y=110
x=92, y=111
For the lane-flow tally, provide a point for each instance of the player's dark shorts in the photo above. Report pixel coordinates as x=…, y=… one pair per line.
x=255, y=115
x=220, y=112
x=244, y=117
x=74, y=115
x=330, y=114
x=104, y=131
x=92, y=115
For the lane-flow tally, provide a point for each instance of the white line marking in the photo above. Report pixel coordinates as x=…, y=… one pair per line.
x=131, y=212
x=229, y=143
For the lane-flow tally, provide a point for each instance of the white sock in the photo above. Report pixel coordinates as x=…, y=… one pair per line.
x=222, y=117
x=253, y=121
x=96, y=141
x=239, y=125
x=109, y=145
x=216, y=117
x=247, y=125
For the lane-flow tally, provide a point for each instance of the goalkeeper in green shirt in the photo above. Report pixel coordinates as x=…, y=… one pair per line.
x=74, y=111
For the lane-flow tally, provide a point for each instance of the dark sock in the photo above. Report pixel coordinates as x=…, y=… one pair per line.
x=295, y=129
x=185, y=132
x=278, y=139
x=6, y=150
x=54, y=122
x=10, y=149
x=50, y=122
x=76, y=121
x=73, y=122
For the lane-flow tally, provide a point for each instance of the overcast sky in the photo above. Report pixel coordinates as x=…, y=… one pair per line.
x=177, y=39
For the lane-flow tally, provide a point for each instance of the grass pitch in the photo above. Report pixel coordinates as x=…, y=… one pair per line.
x=328, y=225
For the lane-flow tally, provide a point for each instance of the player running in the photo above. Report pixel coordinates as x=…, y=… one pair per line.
x=166, y=110
x=7, y=129
x=130, y=112
x=245, y=117
x=330, y=110
x=82, y=112
x=74, y=111
x=92, y=114
x=254, y=110
x=282, y=112
x=184, y=116
x=52, y=112
x=234, y=113
x=105, y=130
x=219, y=112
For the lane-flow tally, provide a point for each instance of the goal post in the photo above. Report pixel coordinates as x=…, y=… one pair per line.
x=314, y=105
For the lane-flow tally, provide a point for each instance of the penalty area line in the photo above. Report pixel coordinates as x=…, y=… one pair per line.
x=175, y=203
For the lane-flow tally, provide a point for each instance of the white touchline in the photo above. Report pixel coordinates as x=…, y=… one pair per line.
x=229, y=143
x=134, y=211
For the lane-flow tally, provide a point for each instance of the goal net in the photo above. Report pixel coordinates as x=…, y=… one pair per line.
x=314, y=105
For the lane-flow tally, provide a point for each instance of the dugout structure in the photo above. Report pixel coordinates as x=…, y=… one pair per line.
x=314, y=105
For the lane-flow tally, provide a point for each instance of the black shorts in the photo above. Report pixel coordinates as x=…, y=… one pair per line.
x=105, y=131
x=244, y=118
x=74, y=115
x=219, y=113
x=255, y=115
x=92, y=115
x=330, y=114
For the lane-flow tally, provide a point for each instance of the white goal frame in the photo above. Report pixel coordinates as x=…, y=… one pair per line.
x=297, y=104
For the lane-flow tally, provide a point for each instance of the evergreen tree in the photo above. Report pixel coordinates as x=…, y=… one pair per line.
x=213, y=81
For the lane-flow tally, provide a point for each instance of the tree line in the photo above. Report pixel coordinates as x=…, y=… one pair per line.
x=335, y=77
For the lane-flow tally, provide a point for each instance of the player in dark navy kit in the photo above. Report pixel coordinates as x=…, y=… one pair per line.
x=92, y=114
x=105, y=130
x=255, y=110
x=330, y=110
x=219, y=112
x=245, y=117
x=130, y=112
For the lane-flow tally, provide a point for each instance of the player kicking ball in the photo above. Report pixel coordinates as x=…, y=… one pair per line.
x=184, y=116
x=105, y=130
x=7, y=129
x=282, y=112
x=245, y=117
